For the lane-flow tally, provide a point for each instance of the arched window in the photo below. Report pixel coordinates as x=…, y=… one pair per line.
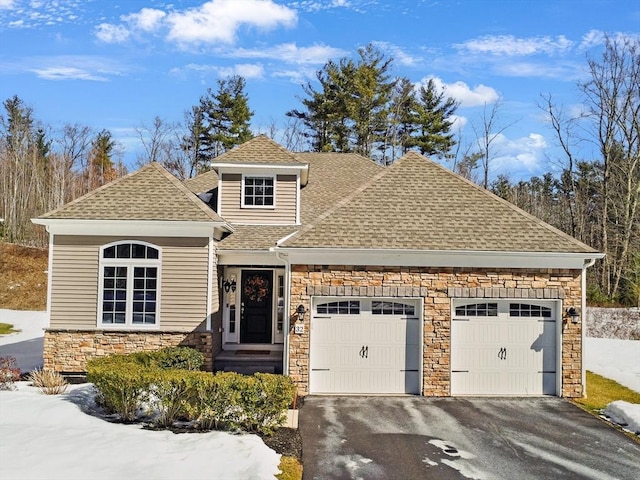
x=129, y=285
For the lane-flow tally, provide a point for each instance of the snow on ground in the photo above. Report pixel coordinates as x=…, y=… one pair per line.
x=54, y=438
x=616, y=359
x=51, y=437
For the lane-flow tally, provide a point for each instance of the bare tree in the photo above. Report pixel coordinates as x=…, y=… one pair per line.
x=486, y=134
x=612, y=95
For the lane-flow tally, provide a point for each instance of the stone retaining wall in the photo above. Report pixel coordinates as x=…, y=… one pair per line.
x=437, y=286
x=69, y=350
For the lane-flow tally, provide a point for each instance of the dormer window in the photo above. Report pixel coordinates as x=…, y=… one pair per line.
x=258, y=191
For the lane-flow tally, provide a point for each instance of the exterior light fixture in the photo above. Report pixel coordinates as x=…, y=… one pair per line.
x=301, y=311
x=229, y=285
x=574, y=314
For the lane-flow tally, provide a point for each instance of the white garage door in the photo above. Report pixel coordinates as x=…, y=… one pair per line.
x=503, y=347
x=365, y=346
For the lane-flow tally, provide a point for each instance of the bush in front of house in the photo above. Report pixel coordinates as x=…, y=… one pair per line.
x=9, y=373
x=48, y=381
x=225, y=400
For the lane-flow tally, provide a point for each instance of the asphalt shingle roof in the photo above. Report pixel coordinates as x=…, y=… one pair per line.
x=259, y=150
x=150, y=193
x=419, y=205
x=255, y=237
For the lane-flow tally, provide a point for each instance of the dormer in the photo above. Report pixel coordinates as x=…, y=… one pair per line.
x=259, y=183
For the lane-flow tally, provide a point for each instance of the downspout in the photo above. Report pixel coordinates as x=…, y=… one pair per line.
x=287, y=302
x=210, y=287
x=588, y=263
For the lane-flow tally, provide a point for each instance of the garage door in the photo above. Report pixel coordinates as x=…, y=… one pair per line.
x=503, y=347
x=365, y=346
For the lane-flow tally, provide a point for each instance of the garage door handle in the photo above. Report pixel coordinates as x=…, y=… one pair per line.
x=364, y=352
x=502, y=354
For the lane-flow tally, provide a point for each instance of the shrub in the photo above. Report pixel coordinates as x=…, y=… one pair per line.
x=9, y=373
x=215, y=402
x=123, y=386
x=169, y=394
x=265, y=399
x=184, y=358
x=48, y=381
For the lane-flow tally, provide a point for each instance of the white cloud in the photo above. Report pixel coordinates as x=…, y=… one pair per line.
x=67, y=73
x=595, y=38
x=215, y=21
x=246, y=70
x=290, y=53
x=314, y=6
x=399, y=55
x=7, y=4
x=511, y=46
x=218, y=20
x=108, y=33
x=519, y=155
x=147, y=19
x=566, y=71
x=466, y=96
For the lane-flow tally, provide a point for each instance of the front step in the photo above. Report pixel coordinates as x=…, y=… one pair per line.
x=248, y=362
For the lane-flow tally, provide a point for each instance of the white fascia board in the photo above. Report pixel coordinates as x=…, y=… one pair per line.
x=248, y=257
x=435, y=258
x=133, y=227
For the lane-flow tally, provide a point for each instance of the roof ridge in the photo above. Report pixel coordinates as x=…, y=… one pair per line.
x=510, y=205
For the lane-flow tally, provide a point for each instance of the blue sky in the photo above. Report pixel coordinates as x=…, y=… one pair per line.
x=116, y=65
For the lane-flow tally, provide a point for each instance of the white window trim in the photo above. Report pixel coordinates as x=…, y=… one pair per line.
x=256, y=175
x=129, y=263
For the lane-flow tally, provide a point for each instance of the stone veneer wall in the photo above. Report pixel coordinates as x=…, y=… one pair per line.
x=438, y=286
x=69, y=350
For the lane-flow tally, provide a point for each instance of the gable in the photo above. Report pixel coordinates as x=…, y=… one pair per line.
x=149, y=194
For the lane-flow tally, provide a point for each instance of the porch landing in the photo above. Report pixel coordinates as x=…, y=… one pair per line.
x=249, y=362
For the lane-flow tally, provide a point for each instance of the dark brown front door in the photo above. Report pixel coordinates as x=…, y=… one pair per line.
x=257, y=306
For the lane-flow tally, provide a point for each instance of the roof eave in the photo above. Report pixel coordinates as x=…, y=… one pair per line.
x=173, y=228
x=437, y=258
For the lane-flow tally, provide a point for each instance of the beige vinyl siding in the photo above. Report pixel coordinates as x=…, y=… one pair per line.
x=183, y=283
x=74, y=285
x=284, y=212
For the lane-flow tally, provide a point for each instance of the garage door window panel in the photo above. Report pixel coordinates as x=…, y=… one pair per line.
x=351, y=307
x=529, y=310
x=392, y=308
x=477, y=310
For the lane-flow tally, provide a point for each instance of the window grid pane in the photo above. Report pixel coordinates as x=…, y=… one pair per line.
x=114, y=291
x=116, y=302
x=392, y=308
x=349, y=307
x=259, y=191
x=477, y=310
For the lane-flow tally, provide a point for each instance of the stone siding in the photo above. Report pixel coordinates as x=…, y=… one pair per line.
x=437, y=286
x=69, y=350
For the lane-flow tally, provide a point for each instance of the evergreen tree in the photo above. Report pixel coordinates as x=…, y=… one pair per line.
x=434, y=112
x=225, y=119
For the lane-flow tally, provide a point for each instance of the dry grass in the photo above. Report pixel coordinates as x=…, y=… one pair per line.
x=48, y=381
x=291, y=469
x=23, y=277
x=601, y=391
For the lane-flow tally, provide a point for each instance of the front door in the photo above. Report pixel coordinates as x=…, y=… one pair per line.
x=256, y=308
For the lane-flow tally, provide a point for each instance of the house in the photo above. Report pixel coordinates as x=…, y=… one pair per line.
x=347, y=276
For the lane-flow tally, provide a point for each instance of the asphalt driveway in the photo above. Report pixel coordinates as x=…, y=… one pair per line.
x=453, y=438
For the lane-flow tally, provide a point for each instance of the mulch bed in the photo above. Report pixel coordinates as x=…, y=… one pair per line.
x=285, y=441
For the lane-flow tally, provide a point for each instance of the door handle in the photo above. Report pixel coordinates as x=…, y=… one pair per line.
x=502, y=354
x=364, y=352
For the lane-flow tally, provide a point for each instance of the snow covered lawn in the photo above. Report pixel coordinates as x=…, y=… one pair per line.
x=50, y=437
